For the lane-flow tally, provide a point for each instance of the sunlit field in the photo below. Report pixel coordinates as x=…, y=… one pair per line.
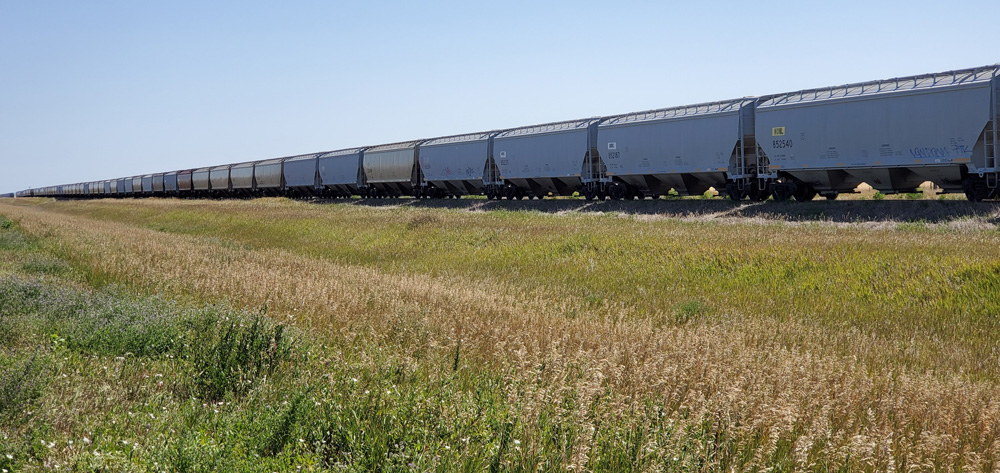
x=471, y=335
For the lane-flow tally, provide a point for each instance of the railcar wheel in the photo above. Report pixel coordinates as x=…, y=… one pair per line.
x=588, y=194
x=735, y=193
x=804, y=192
x=831, y=195
x=759, y=195
x=510, y=192
x=975, y=191
x=785, y=191
x=618, y=191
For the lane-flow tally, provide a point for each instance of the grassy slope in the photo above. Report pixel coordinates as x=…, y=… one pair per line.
x=637, y=340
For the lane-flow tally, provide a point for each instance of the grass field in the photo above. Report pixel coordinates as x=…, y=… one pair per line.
x=685, y=335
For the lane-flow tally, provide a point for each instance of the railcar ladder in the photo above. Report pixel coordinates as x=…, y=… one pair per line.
x=491, y=173
x=991, y=155
x=990, y=148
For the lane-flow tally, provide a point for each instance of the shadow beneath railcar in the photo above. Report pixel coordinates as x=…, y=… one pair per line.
x=663, y=207
x=846, y=211
x=926, y=211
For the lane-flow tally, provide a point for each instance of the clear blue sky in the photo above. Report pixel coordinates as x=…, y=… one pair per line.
x=100, y=89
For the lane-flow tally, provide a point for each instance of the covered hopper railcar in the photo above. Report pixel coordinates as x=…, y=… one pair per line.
x=456, y=165
x=891, y=134
x=340, y=172
x=554, y=158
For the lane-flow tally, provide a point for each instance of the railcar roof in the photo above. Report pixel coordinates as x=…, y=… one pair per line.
x=303, y=157
x=886, y=86
x=341, y=152
x=549, y=127
x=394, y=146
x=463, y=138
x=707, y=108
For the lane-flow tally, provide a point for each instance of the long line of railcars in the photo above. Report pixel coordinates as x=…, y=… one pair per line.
x=891, y=134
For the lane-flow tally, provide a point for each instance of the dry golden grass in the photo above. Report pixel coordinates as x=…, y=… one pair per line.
x=739, y=389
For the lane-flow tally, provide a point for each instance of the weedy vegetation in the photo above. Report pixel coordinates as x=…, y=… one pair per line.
x=275, y=335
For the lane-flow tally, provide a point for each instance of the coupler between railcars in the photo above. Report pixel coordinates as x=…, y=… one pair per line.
x=757, y=189
x=598, y=190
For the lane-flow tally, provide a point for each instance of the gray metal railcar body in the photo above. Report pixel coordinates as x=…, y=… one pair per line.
x=158, y=183
x=185, y=183
x=454, y=165
x=219, y=175
x=340, y=171
x=688, y=149
x=891, y=134
x=108, y=188
x=267, y=176
x=130, y=185
x=301, y=175
x=147, y=184
x=540, y=159
x=240, y=178
x=392, y=169
x=170, y=182
x=201, y=180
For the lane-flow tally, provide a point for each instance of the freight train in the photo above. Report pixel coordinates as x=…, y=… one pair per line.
x=892, y=134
